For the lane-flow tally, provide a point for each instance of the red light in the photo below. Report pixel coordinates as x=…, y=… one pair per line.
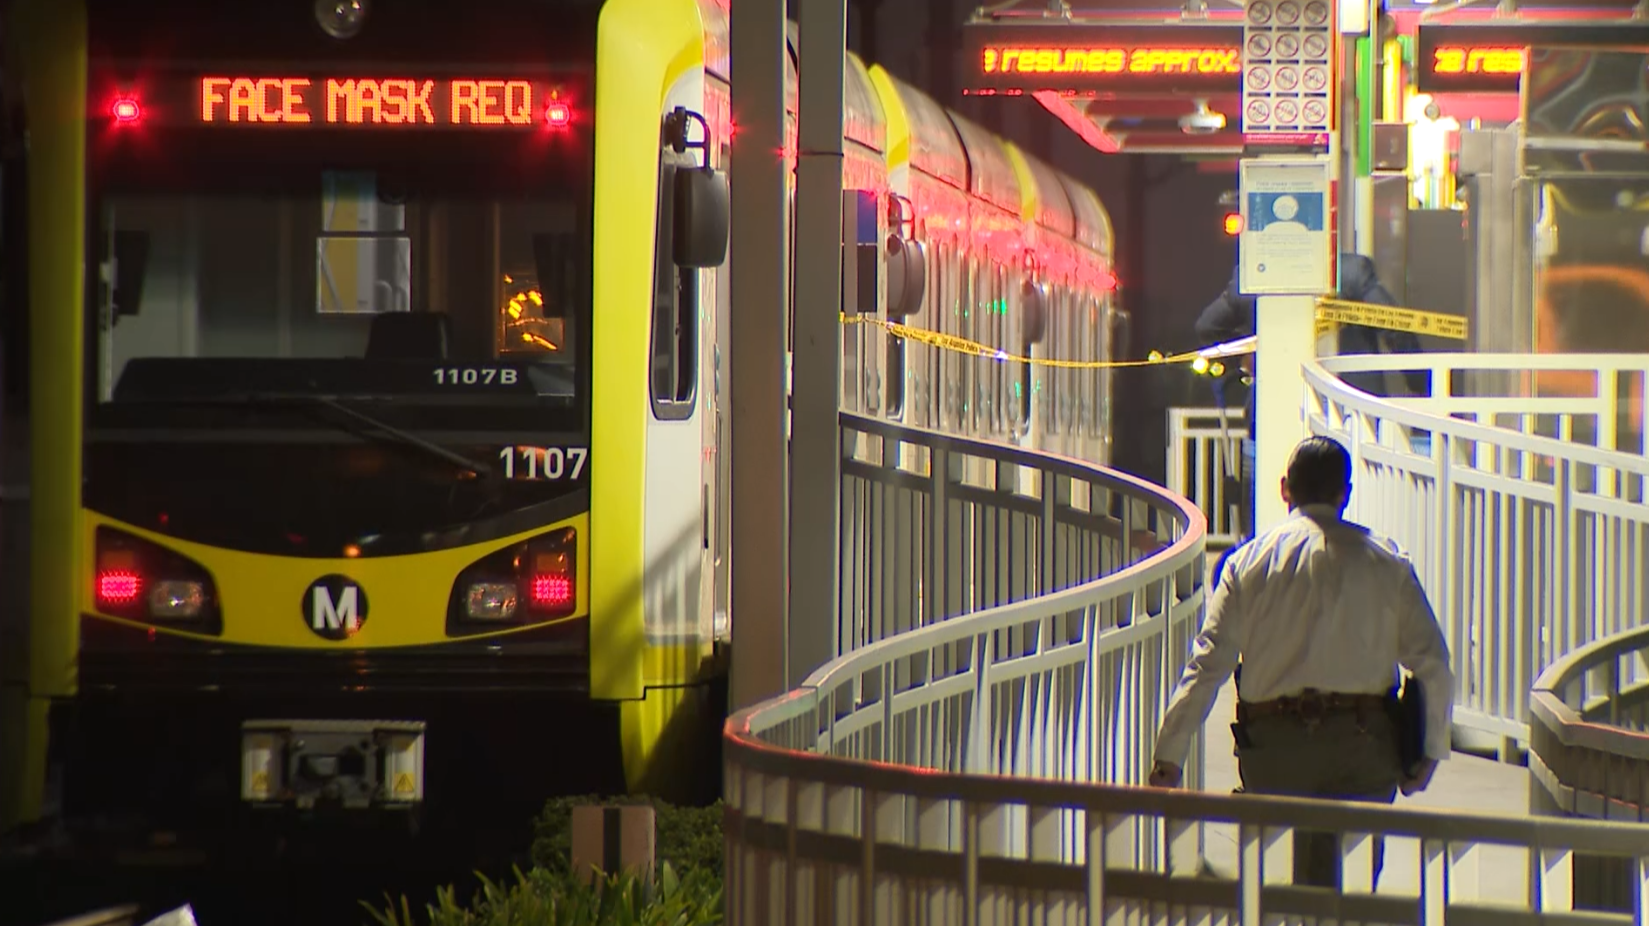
x=551, y=590
x=118, y=586
x=126, y=110
x=1233, y=223
x=558, y=114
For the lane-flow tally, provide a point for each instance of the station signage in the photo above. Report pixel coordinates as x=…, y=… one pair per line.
x=1488, y=57
x=1087, y=59
x=355, y=101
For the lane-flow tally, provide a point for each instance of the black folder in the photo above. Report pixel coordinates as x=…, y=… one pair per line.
x=1410, y=721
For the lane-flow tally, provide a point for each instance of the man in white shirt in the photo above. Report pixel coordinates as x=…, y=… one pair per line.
x=1321, y=612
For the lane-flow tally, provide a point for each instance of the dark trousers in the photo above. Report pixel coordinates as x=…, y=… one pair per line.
x=1345, y=756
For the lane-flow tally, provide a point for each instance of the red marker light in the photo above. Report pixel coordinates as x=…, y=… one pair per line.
x=552, y=591
x=558, y=114
x=126, y=110
x=1233, y=223
x=118, y=586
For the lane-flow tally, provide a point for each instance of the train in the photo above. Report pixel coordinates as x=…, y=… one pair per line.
x=366, y=363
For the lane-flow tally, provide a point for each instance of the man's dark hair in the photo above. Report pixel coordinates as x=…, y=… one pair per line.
x=1319, y=472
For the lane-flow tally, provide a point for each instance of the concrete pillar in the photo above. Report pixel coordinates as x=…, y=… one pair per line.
x=1285, y=340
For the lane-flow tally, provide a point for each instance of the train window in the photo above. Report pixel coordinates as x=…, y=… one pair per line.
x=318, y=270
x=675, y=317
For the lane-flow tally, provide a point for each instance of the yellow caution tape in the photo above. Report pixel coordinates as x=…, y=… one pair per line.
x=975, y=349
x=1331, y=312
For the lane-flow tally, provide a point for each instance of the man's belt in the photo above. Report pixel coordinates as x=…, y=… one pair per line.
x=1310, y=705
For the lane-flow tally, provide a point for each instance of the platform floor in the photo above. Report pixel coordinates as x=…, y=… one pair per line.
x=1464, y=783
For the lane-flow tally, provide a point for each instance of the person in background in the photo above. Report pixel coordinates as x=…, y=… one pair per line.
x=1232, y=315
x=1320, y=612
x=1229, y=317
x=1359, y=282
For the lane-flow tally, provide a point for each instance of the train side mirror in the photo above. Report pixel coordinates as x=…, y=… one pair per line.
x=907, y=276
x=701, y=218
x=700, y=214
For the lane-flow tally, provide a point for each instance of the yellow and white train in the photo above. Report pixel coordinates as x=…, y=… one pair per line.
x=370, y=374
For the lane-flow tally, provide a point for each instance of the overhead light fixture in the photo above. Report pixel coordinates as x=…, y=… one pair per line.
x=341, y=19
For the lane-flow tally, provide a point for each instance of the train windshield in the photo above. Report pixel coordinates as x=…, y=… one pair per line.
x=427, y=274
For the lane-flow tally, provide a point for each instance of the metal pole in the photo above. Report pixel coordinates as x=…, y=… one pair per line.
x=1350, y=116
x=815, y=437
x=756, y=349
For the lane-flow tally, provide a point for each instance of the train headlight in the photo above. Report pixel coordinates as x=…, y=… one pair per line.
x=141, y=580
x=531, y=581
x=176, y=598
x=491, y=601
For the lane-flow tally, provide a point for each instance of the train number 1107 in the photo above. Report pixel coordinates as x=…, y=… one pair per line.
x=553, y=463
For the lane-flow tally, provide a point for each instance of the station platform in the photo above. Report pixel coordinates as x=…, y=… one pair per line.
x=1466, y=784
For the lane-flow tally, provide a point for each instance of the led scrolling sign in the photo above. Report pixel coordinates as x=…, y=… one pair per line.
x=1488, y=57
x=345, y=102
x=1086, y=59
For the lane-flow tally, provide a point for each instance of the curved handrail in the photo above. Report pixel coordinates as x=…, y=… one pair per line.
x=1172, y=569
x=1157, y=565
x=1508, y=529
x=1322, y=374
x=1585, y=760
x=819, y=817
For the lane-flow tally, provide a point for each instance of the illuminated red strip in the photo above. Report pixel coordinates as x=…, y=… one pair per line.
x=1076, y=121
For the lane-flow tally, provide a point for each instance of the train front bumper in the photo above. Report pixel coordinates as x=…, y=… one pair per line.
x=350, y=764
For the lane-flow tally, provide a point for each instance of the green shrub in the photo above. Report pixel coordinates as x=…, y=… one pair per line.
x=558, y=898
x=689, y=838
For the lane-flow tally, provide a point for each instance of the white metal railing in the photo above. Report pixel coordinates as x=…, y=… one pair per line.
x=1527, y=526
x=1589, y=750
x=912, y=779
x=816, y=839
x=1030, y=613
x=1205, y=465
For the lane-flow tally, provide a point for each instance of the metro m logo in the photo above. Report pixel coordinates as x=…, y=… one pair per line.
x=334, y=607
x=328, y=616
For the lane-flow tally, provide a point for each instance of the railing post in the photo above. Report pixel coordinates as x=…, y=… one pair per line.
x=1050, y=498
x=979, y=723
x=938, y=553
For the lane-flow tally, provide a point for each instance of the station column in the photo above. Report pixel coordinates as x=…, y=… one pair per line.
x=1286, y=250
x=756, y=375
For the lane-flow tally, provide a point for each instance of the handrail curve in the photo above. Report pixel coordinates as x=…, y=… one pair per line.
x=979, y=761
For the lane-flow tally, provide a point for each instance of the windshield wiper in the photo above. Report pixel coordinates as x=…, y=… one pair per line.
x=374, y=429
x=411, y=440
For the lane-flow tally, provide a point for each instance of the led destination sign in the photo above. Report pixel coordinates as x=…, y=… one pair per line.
x=1488, y=57
x=354, y=101
x=1089, y=59
x=1032, y=60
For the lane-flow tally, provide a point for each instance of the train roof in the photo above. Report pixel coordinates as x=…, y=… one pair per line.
x=1093, y=225
x=1045, y=201
x=935, y=148
x=862, y=118
x=990, y=172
